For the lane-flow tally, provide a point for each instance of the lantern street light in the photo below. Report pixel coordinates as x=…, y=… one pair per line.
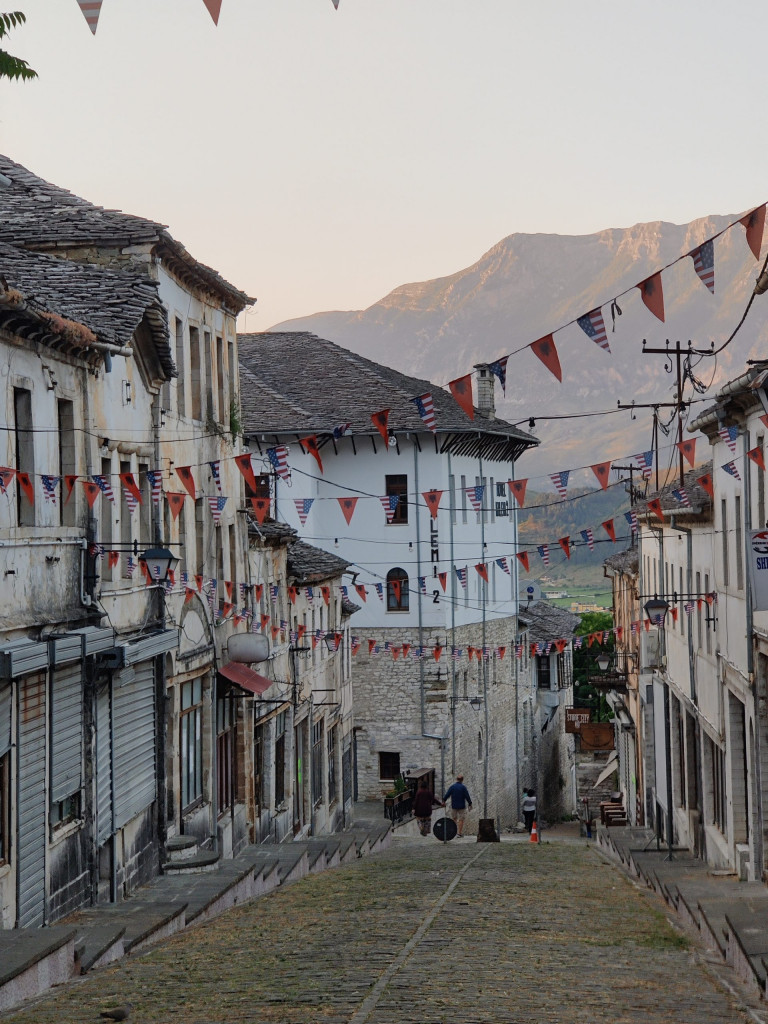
x=656, y=609
x=603, y=660
x=159, y=563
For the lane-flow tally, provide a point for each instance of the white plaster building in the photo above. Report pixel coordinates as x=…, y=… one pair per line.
x=410, y=713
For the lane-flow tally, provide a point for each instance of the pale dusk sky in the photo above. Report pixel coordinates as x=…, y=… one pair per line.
x=318, y=158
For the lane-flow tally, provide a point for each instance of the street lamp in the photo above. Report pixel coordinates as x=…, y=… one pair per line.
x=159, y=562
x=656, y=609
x=332, y=641
x=475, y=702
x=603, y=661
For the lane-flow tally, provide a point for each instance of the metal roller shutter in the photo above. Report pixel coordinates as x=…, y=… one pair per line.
x=5, y=718
x=134, y=756
x=31, y=803
x=104, y=824
x=66, y=732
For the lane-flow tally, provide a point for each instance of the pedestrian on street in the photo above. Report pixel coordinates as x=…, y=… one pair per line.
x=460, y=801
x=423, y=803
x=529, y=808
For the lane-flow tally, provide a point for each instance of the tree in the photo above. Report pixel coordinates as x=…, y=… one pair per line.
x=13, y=67
x=584, y=665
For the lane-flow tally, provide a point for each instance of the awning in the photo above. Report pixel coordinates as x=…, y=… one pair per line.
x=245, y=677
x=610, y=766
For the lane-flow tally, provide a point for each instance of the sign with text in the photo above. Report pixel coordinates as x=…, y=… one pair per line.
x=758, y=569
x=575, y=718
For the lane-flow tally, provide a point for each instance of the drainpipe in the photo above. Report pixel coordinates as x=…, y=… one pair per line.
x=689, y=586
x=484, y=587
x=454, y=681
x=516, y=600
x=424, y=733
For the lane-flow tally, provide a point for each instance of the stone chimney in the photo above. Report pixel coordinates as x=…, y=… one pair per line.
x=485, y=395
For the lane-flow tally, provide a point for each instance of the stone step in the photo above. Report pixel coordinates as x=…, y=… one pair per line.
x=101, y=944
x=206, y=860
x=179, y=848
x=34, y=959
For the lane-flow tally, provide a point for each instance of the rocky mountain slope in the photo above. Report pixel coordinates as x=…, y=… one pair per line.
x=528, y=285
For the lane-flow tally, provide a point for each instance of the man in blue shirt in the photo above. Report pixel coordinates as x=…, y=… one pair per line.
x=460, y=801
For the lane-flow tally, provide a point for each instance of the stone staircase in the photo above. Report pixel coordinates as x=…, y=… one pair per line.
x=195, y=887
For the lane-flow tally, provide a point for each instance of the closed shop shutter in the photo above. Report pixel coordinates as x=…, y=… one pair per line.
x=31, y=803
x=66, y=732
x=134, y=759
x=5, y=717
x=104, y=825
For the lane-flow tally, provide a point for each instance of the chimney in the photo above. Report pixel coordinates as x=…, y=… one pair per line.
x=485, y=395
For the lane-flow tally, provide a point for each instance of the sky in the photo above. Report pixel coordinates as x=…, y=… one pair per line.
x=319, y=158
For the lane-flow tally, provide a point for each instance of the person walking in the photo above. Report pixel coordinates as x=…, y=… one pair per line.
x=423, y=803
x=529, y=808
x=460, y=799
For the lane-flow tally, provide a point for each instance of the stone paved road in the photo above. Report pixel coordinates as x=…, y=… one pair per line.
x=467, y=934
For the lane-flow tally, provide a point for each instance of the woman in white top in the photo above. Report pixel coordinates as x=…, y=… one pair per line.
x=529, y=808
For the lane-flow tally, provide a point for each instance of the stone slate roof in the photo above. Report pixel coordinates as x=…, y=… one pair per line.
x=35, y=214
x=307, y=564
x=623, y=562
x=295, y=383
x=108, y=303
x=272, y=532
x=701, y=503
x=546, y=621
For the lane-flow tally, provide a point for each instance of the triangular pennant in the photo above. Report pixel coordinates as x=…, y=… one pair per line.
x=545, y=349
x=348, y=507
x=704, y=263
x=69, y=482
x=260, y=508
x=653, y=295
x=437, y=651
x=560, y=480
x=589, y=538
x=432, y=499
x=602, y=471
x=175, y=502
x=517, y=490
x=243, y=463
x=461, y=389
x=380, y=421
x=756, y=454
x=443, y=577
x=754, y=222
x=216, y=503
x=113, y=559
x=523, y=557
x=705, y=482
x=397, y=589
x=214, y=9
x=189, y=593
x=482, y=570
x=610, y=529
x=303, y=505
x=129, y=483
x=91, y=492
x=199, y=582
x=362, y=593
x=688, y=450
x=184, y=474
x=426, y=409
x=655, y=506
x=565, y=544
x=326, y=592
x=499, y=369
x=764, y=420
x=309, y=447
x=593, y=325
x=91, y=10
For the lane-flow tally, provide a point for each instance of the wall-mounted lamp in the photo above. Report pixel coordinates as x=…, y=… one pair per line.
x=159, y=562
x=475, y=702
x=126, y=392
x=333, y=641
x=603, y=661
x=656, y=609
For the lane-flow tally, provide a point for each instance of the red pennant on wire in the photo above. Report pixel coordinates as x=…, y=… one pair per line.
x=175, y=502
x=688, y=450
x=565, y=544
x=380, y=420
x=461, y=389
x=214, y=9
x=756, y=454
x=189, y=593
x=243, y=463
x=91, y=492
x=764, y=419
x=309, y=447
x=69, y=482
x=754, y=222
x=184, y=474
x=129, y=483
x=348, y=507
x=362, y=593
x=113, y=559
x=26, y=486
x=705, y=482
x=610, y=529
x=524, y=560
x=545, y=349
x=443, y=577
x=517, y=489
x=326, y=592
x=602, y=471
x=432, y=499
x=482, y=570
x=655, y=506
x=397, y=589
x=260, y=509
x=653, y=294
x=438, y=650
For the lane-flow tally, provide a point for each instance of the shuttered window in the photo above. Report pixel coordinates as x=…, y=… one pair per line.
x=133, y=710
x=66, y=732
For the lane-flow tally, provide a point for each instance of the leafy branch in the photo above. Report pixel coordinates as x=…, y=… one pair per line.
x=10, y=66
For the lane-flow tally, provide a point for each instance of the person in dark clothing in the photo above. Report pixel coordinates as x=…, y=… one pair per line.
x=423, y=803
x=460, y=801
x=529, y=808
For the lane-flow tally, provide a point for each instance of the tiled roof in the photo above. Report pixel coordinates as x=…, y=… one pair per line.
x=35, y=214
x=280, y=395
x=272, y=532
x=307, y=564
x=546, y=621
x=701, y=503
x=37, y=289
x=623, y=562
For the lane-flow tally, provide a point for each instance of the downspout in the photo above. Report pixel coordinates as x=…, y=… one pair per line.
x=484, y=587
x=454, y=682
x=161, y=695
x=689, y=586
x=424, y=733
x=516, y=600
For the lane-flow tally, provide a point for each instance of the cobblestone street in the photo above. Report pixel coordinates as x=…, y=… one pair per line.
x=470, y=932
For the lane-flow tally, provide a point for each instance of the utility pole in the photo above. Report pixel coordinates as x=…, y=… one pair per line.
x=679, y=405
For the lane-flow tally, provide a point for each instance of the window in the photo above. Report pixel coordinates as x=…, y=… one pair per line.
x=206, y=387
x=181, y=379
x=452, y=496
x=258, y=767
x=542, y=671
x=332, y=766
x=63, y=811
x=25, y=453
x=397, y=590
x=389, y=765
x=739, y=546
x=220, y=392
x=280, y=758
x=724, y=534
x=226, y=754
x=317, y=763
x=196, y=373
x=463, y=498
x=718, y=786
x=67, y=461
x=502, y=502
x=233, y=562
x=397, y=484
x=191, y=742
x=105, y=523
x=5, y=807
x=199, y=536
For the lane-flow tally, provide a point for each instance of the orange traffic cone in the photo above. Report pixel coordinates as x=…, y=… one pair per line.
x=534, y=833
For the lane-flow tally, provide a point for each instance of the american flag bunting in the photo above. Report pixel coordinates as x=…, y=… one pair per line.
x=426, y=409
x=216, y=504
x=704, y=263
x=476, y=496
x=593, y=325
x=278, y=456
x=389, y=504
x=303, y=505
x=729, y=435
x=50, y=483
x=560, y=480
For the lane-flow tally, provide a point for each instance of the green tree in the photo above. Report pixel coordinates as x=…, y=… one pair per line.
x=584, y=665
x=10, y=66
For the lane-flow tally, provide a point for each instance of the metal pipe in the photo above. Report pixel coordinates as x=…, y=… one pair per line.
x=454, y=681
x=484, y=591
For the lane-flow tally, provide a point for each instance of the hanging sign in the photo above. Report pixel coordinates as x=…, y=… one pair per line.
x=758, y=569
